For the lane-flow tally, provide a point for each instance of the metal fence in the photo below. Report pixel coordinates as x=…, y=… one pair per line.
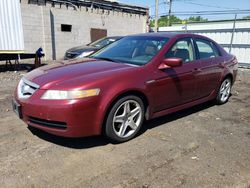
x=223, y=32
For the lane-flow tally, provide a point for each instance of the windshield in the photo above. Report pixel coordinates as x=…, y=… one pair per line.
x=137, y=50
x=102, y=42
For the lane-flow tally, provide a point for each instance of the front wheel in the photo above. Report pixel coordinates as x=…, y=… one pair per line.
x=125, y=119
x=224, y=91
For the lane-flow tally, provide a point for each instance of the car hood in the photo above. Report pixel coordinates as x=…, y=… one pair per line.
x=80, y=49
x=70, y=73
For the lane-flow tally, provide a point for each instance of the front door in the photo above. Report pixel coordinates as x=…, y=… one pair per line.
x=177, y=85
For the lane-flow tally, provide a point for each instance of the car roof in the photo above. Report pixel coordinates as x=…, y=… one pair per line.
x=169, y=34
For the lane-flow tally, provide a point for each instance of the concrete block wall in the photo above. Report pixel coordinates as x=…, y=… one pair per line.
x=42, y=27
x=36, y=28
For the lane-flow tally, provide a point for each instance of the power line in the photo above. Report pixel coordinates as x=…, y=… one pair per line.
x=199, y=13
x=217, y=11
x=213, y=12
x=206, y=5
x=199, y=4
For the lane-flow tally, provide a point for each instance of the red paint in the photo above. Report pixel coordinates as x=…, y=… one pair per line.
x=167, y=89
x=170, y=62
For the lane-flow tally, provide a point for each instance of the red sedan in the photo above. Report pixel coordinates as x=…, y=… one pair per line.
x=138, y=77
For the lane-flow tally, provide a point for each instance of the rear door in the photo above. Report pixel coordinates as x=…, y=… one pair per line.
x=177, y=85
x=210, y=67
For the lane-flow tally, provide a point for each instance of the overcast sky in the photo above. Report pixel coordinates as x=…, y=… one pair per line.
x=195, y=5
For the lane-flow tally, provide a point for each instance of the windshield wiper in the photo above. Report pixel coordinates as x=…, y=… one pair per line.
x=105, y=58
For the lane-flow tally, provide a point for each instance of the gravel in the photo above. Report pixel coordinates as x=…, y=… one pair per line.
x=204, y=146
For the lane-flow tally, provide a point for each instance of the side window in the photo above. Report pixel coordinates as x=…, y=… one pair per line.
x=181, y=49
x=216, y=50
x=206, y=49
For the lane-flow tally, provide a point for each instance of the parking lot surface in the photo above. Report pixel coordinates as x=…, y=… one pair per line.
x=204, y=146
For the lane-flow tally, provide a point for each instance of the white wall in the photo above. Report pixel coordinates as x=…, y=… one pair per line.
x=11, y=31
x=221, y=32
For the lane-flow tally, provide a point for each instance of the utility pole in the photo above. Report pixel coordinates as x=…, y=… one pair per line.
x=169, y=11
x=233, y=31
x=156, y=15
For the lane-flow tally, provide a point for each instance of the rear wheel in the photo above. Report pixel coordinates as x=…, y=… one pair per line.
x=125, y=119
x=224, y=91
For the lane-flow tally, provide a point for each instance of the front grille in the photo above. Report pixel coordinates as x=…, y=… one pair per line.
x=47, y=123
x=26, y=88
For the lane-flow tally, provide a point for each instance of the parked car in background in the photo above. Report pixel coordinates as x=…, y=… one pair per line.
x=86, y=50
x=138, y=77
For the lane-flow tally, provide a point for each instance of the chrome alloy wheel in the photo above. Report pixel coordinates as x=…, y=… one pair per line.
x=225, y=90
x=127, y=118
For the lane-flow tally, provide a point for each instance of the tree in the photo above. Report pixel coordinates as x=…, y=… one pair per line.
x=196, y=19
x=246, y=17
x=163, y=21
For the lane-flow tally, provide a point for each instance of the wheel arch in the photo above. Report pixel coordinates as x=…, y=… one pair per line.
x=137, y=93
x=229, y=75
x=217, y=98
x=222, y=78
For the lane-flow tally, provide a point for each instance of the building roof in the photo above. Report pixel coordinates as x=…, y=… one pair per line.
x=96, y=4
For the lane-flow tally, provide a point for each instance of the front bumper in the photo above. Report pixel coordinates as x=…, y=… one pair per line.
x=67, y=118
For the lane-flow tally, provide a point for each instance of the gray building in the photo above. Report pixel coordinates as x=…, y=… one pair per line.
x=57, y=25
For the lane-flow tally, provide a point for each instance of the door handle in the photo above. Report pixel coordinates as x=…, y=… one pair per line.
x=221, y=65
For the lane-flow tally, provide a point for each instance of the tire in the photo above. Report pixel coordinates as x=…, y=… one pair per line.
x=125, y=119
x=224, y=91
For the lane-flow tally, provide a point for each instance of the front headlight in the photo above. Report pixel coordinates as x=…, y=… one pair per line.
x=72, y=94
x=85, y=54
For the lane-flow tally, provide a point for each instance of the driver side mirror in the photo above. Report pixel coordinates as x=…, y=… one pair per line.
x=170, y=62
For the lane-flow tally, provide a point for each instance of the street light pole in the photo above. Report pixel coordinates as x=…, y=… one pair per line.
x=156, y=15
